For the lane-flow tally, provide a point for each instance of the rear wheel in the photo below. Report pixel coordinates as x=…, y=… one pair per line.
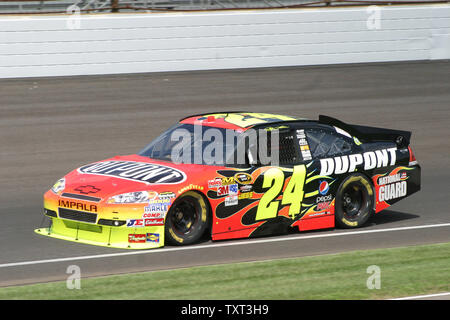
x=354, y=202
x=187, y=219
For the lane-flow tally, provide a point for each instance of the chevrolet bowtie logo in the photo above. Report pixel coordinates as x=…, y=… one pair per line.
x=87, y=189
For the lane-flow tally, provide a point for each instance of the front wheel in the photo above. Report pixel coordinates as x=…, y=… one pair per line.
x=354, y=202
x=187, y=219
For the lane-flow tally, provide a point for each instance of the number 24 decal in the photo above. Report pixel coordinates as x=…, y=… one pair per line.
x=293, y=194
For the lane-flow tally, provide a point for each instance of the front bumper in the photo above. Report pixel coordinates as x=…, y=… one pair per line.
x=113, y=237
x=78, y=227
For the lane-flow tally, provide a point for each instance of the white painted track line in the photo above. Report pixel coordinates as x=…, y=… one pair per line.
x=223, y=244
x=424, y=296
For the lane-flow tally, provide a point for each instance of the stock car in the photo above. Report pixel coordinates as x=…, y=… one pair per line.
x=205, y=177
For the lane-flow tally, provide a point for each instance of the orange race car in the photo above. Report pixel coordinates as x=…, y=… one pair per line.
x=234, y=175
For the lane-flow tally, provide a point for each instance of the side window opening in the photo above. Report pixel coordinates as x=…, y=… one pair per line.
x=325, y=143
x=285, y=150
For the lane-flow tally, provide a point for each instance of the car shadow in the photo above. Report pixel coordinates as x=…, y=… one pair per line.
x=385, y=217
x=389, y=216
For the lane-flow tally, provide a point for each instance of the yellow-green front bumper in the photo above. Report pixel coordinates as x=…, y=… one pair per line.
x=121, y=237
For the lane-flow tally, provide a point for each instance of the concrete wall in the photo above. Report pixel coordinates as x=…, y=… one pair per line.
x=61, y=45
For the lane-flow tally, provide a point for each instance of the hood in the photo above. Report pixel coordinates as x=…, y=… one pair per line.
x=122, y=174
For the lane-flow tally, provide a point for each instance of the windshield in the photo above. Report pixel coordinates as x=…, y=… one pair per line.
x=187, y=143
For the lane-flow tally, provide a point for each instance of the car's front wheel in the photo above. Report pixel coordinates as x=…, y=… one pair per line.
x=354, y=202
x=187, y=219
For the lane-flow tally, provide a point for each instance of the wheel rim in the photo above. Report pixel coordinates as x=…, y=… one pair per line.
x=354, y=201
x=185, y=216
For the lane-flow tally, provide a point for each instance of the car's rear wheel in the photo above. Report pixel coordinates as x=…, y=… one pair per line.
x=354, y=202
x=187, y=219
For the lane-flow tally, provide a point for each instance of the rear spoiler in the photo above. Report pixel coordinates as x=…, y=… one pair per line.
x=370, y=134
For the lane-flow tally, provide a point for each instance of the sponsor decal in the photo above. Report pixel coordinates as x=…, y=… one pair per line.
x=137, y=238
x=214, y=183
x=392, y=191
x=159, y=201
x=392, y=178
x=152, y=195
x=301, y=134
x=190, y=187
x=77, y=205
x=153, y=215
x=243, y=178
x=246, y=195
x=222, y=191
x=87, y=189
x=348, y=163
x=227, y=181
x=323, y=205
x=154, y=222
x=324, y=198
x=160, y=205
x=166, y=195
x=392, y=186
x=245, y=188
x=133, y=223
x=317, y=214
x=306, y=155
x=136, y=171
x=324, y=187
x=157, y=207
x=231, y=189
x=231, y=200
x=152, y=237
x=304, y=146
x=139, y=223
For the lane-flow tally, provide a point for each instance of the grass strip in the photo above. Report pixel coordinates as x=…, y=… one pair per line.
x=405, y=271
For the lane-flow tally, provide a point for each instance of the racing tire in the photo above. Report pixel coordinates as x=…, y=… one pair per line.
x=354, y=202
x=187, y=219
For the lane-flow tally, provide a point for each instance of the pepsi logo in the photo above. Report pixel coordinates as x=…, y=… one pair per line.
x=324, y=187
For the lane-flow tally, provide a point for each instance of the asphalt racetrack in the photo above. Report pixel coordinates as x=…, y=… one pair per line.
x=50, y=126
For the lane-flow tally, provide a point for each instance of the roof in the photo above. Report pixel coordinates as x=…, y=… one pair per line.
x=236, y=120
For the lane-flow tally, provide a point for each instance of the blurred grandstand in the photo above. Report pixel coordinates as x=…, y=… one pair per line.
x=89, y=6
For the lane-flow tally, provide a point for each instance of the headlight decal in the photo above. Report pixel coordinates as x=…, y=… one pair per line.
x=131, y=197
x=59, y=186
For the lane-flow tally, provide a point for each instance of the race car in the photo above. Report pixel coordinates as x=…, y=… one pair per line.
x=234, y=175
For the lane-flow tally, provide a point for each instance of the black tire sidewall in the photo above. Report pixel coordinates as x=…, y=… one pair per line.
x=340, y=217
x=201, y=226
